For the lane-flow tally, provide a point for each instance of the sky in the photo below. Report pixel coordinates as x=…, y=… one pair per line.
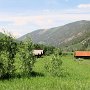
x=24, y=16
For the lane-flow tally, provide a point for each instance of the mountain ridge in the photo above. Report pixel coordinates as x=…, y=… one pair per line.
x=66, y=35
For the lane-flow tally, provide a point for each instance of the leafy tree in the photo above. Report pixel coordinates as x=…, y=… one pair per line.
x=11, y=50
x=54, y=66
x=26, y=55
x=8, y=51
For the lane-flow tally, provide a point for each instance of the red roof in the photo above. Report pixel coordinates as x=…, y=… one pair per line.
x=82, y=53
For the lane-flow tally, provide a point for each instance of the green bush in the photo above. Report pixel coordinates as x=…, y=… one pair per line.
x=57, y=51
x=7, y=55
x=9, y=50
x=26, y=56
x=54, y=67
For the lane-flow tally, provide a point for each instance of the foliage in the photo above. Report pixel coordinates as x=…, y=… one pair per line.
x=85, y=45
x=78, y=77
x=9, y=50
x=26, y=56
x=54, y=66
x=57, y=51
x=47, y=49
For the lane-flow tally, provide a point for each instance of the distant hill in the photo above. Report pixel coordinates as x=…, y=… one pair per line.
x=70, y=36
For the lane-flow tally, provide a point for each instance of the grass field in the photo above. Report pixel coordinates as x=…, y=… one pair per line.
x=77, y=77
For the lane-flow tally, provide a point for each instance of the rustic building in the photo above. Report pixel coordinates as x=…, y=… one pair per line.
x=38, y=53
x=82, y=54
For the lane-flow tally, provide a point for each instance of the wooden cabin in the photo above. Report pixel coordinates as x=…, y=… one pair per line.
x=82, y=54
x=38, y=53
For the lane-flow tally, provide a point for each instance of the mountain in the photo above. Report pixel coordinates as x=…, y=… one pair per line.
x=71, y=35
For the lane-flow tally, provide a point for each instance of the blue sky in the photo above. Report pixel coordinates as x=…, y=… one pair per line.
x=23, y=16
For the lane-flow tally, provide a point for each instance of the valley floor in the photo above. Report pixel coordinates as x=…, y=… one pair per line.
x=77, y=77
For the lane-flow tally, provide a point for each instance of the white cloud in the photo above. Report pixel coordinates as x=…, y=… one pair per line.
x=46, y=19
x=84, y=6
x=15, y=34
x=20, y=24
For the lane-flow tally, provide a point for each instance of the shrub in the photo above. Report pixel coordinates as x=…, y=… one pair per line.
x=9, y=50
x=7, y=55
x=26, y=56
x=54, y=66
x=57, y=51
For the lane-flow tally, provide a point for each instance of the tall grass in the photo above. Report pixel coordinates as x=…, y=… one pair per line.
x=77, y=77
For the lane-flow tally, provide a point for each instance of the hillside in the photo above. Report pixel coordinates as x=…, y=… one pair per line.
x=69, y=35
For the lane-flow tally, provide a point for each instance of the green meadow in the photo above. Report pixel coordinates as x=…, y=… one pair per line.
x=76, y=76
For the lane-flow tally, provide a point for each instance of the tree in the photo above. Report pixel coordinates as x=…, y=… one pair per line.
x=7, y=55
x=54, y=66
x=26, y=55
